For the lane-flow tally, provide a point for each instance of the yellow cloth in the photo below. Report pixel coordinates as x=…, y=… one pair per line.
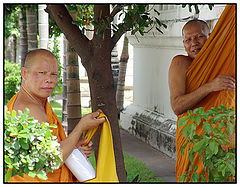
x=63, y=174
x=216, y=57
x=106, y=165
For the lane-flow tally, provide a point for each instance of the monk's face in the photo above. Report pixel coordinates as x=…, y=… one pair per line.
x=194, y=37
x=41, y=77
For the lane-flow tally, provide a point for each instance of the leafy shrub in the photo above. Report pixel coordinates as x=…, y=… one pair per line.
x=215, y=147
x=12, y=79
x=29, y=147
x=56, y=51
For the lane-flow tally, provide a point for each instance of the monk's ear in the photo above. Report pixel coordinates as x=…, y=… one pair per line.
x=24, y=73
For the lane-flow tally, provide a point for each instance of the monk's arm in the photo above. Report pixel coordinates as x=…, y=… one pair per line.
x=180, y=101
x=89, y=121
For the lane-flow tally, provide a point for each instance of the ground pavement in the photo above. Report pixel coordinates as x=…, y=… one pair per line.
x=162, y=165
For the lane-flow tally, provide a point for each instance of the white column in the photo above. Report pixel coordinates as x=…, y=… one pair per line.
x=43, y=27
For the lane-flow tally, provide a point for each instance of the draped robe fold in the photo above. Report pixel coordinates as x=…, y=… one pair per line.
x=215, y=58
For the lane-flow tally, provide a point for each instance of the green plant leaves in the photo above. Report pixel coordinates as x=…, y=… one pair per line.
x=218, y=162
x=213, y=147
x=29, y=147
x=183, y=121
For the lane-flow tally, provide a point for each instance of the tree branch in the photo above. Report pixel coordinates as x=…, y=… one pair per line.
x=116, y=9
x=118, y=35
x=73, y=34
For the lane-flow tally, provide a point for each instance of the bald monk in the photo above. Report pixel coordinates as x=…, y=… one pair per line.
x=195, y=33
x=39, y=78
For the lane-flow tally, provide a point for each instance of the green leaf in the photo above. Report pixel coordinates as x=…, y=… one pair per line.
x=159, y=30
x=192, y=131
x=183, y=121
x=16, y=145
x=231, y=168
x=202, y=177
x=14, y=113
x=48, y=133
x=221, y=125
x=53, y=126
x=198, y=110
x=158, y=13
x=221, y=167
x=191, y=156
x=195, y=177
x=24, y=145
x=32, y=174
x=7, y=160
x=198, y=119
x=189, y=112
x=213, y=147
x=186, y=131
x=42, y=175
x=207, y=127
x=183, y=147
x=8, y=175
x=182, y=178
x=199, y=145
x=191, y=166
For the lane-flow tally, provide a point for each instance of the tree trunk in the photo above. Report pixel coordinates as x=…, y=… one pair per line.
x=43, y=27
x=96, y=58
x=31, y=15
x=102, y=85
x=122, y=73
x=64, y=85
x=14, y=49
x=9, y=42
x=73, y=86
x=23, y=35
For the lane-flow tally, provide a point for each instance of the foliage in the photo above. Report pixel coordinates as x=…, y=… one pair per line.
x=12, y=79
x=56, y=51
x=196, y=8
x=84, y=17
x=138, y=17
x=11, y=17
x=29, y=147
x=215, y=147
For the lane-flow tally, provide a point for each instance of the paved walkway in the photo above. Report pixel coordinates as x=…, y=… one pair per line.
x=162, y=165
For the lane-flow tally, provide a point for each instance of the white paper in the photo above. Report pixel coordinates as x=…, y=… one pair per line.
x=80, y=166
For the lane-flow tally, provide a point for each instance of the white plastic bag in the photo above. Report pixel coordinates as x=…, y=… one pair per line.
x=80, y=166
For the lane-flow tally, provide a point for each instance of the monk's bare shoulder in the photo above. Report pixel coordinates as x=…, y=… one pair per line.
x=181, y=62
x=35, y=110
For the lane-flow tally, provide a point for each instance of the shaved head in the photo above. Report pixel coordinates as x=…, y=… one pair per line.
x=204, y=25
x=42, y=53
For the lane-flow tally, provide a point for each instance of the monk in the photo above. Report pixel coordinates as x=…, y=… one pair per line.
x=39, y=78
x=195, y=33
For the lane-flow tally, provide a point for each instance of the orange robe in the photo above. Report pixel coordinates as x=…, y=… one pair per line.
x=106, y=164
x=61, y=175
x=216, y=57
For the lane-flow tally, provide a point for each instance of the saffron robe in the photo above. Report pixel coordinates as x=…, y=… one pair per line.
x=106, y=165
x=216, y=57
x=61, y=175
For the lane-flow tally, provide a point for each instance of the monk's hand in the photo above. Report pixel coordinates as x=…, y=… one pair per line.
x=90, y=121
x=222, y=82
x=86, y=149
